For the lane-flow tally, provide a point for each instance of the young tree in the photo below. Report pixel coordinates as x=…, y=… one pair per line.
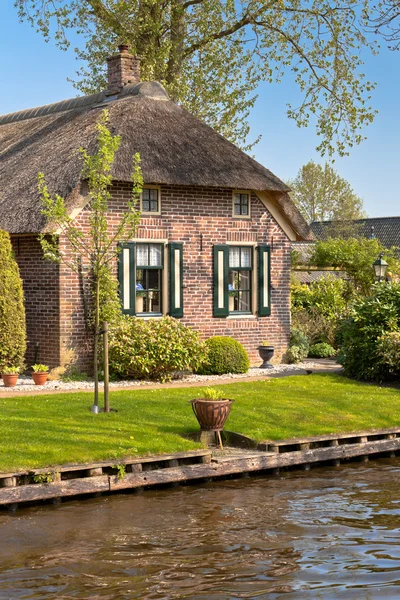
x=322, y=195
x=97, y=249
x=212, y=55
x=12, y=311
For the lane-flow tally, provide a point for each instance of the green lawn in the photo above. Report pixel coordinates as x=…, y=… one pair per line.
x=39, y=431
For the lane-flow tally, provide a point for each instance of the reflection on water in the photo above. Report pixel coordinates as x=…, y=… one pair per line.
x=326, y=534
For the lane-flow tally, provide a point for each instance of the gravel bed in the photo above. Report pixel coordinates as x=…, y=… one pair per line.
x=25, y=383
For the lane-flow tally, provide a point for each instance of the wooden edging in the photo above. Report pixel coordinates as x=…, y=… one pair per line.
x=104, y=477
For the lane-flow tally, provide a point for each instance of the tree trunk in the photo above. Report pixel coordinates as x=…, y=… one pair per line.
x=96, y=342
x=177, y=37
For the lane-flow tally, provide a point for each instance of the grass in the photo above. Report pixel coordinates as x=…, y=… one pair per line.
x=39, y=431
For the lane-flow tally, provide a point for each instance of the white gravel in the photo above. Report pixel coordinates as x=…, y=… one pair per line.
x=25, y=383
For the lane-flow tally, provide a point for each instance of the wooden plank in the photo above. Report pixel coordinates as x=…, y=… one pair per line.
x=71, y=487
x=255, y=463
x=331, y=436
x=206, y=454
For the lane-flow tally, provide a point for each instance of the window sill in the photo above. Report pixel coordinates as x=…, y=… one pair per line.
x=241, y=316
x=149, y=315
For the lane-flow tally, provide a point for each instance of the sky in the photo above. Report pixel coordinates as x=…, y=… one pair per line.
x=33, y=72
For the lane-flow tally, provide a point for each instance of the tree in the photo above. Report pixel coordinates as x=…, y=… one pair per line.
x=322, y=195
x=94, y=252
x=12, y=311
x=213, y=54
x=355, y=257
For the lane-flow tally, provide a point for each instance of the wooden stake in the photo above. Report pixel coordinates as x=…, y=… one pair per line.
x=106, y=368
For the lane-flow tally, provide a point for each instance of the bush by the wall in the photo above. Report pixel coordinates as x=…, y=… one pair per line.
x=367, y=349
x=298, y=346
x=321, y=350
x=154, y=348
x=224, y=355
x=12, y=311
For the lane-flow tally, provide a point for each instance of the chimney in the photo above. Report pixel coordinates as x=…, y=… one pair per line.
x=123, y=68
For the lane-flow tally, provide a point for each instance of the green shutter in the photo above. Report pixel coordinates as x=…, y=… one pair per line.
x=176, y=280
x=127, y=278
x=264, y=281
x=221, y=268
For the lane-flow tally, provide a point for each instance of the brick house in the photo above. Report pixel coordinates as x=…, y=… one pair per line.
x=213, y=246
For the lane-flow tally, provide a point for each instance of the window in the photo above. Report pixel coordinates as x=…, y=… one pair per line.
x=240, y=288
x=241, y=204
x=151, y=200
x=147, y=286
x=240, y=277
x=149, y=267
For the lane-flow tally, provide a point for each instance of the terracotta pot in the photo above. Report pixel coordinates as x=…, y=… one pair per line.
x=40, y=378
x=211, y=414
x=266, y=353
x=10, y=379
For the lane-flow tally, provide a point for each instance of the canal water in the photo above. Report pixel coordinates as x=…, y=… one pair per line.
x=325, y=534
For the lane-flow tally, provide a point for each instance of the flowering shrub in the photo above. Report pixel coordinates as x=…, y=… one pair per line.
x=154, y=348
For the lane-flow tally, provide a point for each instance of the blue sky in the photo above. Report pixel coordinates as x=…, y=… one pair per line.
x=34, y=72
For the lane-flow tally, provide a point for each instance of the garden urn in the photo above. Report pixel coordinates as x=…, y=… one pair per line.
x=266, y=353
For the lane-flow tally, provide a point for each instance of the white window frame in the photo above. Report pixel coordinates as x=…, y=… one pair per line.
x=254, y=282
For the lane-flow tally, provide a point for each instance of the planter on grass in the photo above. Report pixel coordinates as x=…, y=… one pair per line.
x=212, y=411
x=266, y=353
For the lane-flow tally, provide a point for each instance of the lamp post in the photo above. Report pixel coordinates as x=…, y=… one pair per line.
x=380, y=266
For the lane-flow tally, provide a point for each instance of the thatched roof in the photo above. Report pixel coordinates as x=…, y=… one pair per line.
x=176, y=148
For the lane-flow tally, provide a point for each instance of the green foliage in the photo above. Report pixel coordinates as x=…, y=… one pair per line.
x=389, y=351
x=12, y=311
x=210, y=393
x=321, y=350
x=73, y=373
x=45, y=478
x=317, y=309
x=367, y=349
x=322, y=195
x=40, y=368
x=121, y=470
x=154, y=348
x=225, y=355
x=355, y=256
x=213, y=54
x=11, y=370
x=298, y=346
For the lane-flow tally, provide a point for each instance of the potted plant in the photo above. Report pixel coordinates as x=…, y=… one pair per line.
x=10, y=376
x=40, y=374
x=266, y=352
x=212, y=411
x=140, y=294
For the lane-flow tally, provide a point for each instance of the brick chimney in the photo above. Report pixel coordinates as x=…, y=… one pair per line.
x=123, y=68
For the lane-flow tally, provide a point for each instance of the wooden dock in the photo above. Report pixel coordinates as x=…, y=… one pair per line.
x=68, y=481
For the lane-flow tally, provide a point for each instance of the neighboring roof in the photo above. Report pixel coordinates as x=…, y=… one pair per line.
x=304, y=251
x=176, y=148
x=384, y=229
x=308, y=277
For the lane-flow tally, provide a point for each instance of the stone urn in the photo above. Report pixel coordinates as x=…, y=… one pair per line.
x=266, y=353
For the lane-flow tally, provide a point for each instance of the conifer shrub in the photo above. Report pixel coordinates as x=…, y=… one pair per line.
x=224, y=355
x=12, y=311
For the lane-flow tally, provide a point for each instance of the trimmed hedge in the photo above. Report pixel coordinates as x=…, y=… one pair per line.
x=224, y=355
x=12, y=311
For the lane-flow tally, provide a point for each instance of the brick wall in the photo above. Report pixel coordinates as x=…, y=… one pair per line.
x=41, y=290
x=200, y=218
